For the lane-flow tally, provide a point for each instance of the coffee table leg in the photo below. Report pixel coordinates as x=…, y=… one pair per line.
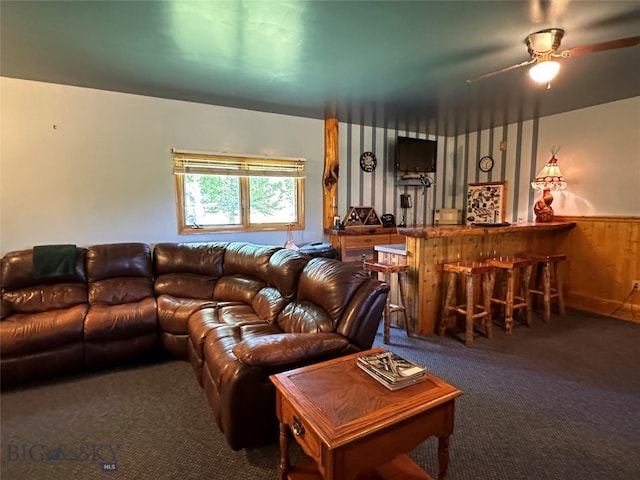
x=284, y=465
x=443, y=457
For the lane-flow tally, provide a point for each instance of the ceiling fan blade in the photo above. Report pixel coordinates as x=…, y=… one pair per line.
x=599, y=47
x=501, y=70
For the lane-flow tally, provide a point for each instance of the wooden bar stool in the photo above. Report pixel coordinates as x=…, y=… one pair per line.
x=470, y=271
x=387, y=270
x=549, y=287
x=518, y=272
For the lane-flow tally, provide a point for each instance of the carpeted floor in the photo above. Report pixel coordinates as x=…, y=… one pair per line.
x=556, y=401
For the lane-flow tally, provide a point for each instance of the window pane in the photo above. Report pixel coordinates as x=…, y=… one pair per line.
x=211, y=200
x=272, y=200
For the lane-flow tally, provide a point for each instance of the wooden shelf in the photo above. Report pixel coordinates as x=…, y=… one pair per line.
x=400, y=468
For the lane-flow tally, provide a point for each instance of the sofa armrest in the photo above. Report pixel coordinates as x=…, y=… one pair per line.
x=284, y=348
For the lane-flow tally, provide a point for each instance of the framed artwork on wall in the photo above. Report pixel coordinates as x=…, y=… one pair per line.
x=486, y=202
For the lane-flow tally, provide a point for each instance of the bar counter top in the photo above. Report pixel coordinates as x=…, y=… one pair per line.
x=444, y=231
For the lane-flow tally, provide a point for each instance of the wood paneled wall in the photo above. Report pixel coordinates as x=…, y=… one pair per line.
x=604, y=259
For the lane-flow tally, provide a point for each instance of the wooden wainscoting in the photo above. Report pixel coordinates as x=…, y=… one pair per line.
x=604, y=259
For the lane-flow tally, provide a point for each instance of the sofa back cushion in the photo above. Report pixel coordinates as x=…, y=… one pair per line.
x=22, y=292
x=248, y=260
x=324, y=290
x=284, y=271
x=119, y=273
x=237, y=288
x=188, y=270
x=268, y=303
x=17, y=270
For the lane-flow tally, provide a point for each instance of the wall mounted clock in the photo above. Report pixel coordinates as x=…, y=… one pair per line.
x=485, y=164
x=368, y=162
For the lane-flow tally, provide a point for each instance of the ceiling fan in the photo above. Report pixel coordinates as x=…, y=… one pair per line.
x=543, y=48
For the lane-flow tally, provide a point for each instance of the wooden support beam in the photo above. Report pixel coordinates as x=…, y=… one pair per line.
x=331, y=168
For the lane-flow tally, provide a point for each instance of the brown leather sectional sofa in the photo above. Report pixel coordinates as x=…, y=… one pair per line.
x=238, y=312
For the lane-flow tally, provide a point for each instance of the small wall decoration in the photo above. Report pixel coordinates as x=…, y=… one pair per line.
x=362, y=217
x=486, y=202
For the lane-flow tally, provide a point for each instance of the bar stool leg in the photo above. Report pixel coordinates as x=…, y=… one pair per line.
x=488, y=280
x=556, y=273
x=469, y=325
x=387, y=314
x=508, y=307
x=524, y=285
x=448, y=302
x=403, y=296
x=546, y=289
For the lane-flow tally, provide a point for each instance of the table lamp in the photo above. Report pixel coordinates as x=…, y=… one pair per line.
x=549, y=178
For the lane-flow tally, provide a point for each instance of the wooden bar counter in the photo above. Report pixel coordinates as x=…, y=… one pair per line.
x=428, y=247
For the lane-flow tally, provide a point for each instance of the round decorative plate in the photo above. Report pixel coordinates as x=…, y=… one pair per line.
x=368, y=161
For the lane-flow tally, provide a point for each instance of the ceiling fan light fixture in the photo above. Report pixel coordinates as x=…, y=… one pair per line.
x=545, y=71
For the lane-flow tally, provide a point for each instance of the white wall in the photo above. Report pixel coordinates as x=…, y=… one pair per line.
x=103, y=173
x=88, y=166
x=599, y=157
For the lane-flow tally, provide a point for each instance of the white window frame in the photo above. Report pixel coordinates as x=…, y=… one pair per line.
x=244, y=167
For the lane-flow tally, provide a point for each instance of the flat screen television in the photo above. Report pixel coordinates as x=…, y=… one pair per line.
x=415, y=155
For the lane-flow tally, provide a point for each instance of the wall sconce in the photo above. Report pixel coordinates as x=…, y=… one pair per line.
x=549, y=178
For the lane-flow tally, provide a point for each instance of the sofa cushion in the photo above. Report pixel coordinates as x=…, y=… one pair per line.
x=43, y=298
x=284, y=270
x=174, y=313
x=27, y=294
x=203, y=258
x=36, y=332
x=5, y=308
x=238, y=315
x=118, y=260
x=188, y=270
x=111, y=322
x=185, y=285
x=199, y=325
x=268, y=303
x=330, y=283
x=249, y=260
x=222, y=362
x=237, y=288
x=324, y=291
x=115, y=291
x=17, y=271
x=287, y=348
x=304, y=317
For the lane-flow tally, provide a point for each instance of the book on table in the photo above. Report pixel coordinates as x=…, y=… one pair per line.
x=391, y=370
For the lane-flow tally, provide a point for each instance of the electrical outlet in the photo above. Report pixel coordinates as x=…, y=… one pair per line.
x=635, y=285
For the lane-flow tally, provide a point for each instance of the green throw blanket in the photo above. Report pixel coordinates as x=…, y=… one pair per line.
x=54, y=261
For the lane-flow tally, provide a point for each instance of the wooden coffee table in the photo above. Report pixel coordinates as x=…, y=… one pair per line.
x=352, y=427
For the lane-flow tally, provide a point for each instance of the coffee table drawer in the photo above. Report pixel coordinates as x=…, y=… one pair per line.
x=303, y=434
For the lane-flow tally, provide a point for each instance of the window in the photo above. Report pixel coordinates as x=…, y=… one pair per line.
x=222, y=192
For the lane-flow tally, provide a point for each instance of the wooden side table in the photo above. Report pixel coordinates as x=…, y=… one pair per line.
x=353, y=428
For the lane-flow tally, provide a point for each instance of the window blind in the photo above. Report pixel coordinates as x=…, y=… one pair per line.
x=242, y=166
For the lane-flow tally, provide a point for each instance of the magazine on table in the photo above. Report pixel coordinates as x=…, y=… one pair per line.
x=391, y=370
